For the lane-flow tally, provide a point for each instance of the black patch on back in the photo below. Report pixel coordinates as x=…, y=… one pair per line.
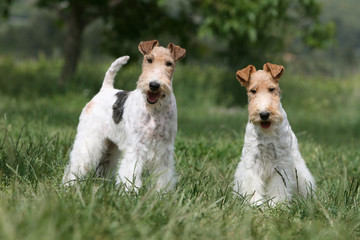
x=118, y=107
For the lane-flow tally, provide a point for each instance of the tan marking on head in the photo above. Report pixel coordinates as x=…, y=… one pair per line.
x=264, y=96
x=177, y=52
x=243, y=75
x=158, y=66
x=145, y=47
x=275, y=70
x=263, y=92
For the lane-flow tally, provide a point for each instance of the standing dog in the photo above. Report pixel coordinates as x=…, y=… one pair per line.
x=134, y=130
x=271, y=164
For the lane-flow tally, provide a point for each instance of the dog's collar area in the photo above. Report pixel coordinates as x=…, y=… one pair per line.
x=152, y=97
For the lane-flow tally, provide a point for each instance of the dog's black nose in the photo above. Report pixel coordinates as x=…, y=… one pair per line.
x=154, y=85
x=264, y=115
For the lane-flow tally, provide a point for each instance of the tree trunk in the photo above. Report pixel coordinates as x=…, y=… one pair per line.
x=72, y=48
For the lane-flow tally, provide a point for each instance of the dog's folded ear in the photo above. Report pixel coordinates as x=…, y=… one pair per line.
x=275, y=70
x=243, y=75
x=145, y=47
x=177, y=52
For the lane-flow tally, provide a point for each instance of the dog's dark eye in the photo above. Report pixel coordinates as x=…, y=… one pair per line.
x=149, y=60
x=271, y=89
x=253, y=91
x=169, y=64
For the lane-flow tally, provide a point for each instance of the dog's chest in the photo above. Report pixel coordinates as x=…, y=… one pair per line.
x=266, y=153
x=158, y=126
x=273, y=155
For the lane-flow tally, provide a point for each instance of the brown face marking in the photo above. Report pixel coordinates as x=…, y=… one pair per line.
x=263, y=94
x=157, y=69
x=158, y=66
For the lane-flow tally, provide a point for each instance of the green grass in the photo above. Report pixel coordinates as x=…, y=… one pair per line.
x=37, y=127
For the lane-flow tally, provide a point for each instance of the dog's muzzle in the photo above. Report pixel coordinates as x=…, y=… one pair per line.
x=154, y=86
x=264, y=116
x=154, y=94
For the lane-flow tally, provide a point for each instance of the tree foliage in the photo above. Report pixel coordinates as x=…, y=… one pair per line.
x=135, y=20
x=254, y=28
x=233, y=30
x=125, y=20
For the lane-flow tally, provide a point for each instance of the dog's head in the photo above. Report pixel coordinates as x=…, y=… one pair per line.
x=263, y=94
x=158, y=68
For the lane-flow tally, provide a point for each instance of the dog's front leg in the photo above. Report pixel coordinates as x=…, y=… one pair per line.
x=84, y=157
x=249, y=183
x=280, y=186
x=130, y=170
x=165, y=172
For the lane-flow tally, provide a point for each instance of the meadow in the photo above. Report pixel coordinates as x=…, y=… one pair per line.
x=38, y=124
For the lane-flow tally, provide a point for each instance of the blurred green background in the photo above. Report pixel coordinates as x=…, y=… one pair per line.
x=309, y=37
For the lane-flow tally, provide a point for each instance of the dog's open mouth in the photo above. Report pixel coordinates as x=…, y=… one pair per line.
x=265, y=124
x=153, y=97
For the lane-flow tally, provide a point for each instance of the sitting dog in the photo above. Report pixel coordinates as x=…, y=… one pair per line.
x=271, y=164
x=129, y=131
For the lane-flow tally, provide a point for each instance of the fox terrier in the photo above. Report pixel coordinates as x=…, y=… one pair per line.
x=131, y=131
x=271, y=164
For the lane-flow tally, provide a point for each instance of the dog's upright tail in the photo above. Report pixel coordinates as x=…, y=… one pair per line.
x=111, y=72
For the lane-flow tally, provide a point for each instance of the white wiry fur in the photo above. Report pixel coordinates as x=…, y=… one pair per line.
x=271, y=164
x=144, y=138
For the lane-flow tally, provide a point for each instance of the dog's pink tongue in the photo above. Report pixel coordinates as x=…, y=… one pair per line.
x=152, y=97
x=265, y=124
